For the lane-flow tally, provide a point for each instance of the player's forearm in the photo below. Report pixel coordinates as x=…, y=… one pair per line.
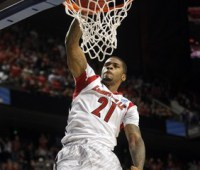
x=137, y=151
x=76, y=59
x=73, y=35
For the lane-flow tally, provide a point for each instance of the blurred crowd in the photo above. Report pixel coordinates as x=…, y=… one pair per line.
x=35, y=62
x=158, y=98
x=29, y=152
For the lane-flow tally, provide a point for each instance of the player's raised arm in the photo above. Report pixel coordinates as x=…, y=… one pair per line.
x=136, y=146
x=76, y=59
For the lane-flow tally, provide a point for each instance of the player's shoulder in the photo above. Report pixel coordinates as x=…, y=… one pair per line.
x=126, y=101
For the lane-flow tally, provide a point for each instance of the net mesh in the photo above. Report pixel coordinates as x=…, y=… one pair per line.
x=98, y=24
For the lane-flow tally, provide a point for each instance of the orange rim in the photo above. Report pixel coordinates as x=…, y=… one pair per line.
x=75, y=7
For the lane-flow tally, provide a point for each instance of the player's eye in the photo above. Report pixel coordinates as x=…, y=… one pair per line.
x=116, y=66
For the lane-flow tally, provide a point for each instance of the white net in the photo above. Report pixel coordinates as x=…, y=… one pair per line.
x=99, y=22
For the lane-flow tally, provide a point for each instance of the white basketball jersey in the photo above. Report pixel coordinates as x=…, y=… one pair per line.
x=96, y=112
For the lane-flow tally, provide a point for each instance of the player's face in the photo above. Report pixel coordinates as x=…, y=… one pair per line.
x=112, y=71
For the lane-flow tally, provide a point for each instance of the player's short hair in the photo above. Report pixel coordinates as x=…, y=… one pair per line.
x=123, y=63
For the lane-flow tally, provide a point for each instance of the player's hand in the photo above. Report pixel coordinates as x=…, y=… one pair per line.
x=134, y=168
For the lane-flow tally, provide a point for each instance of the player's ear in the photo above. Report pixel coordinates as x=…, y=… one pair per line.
x=123, y=77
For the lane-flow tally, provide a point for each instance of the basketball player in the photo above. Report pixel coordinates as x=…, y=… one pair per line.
x=97, y=112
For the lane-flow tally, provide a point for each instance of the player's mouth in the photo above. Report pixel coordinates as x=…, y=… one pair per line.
x=108, y=72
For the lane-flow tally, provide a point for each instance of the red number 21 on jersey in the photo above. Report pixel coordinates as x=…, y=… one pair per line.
x=104, y=102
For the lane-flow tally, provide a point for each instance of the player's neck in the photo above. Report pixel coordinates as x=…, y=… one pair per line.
x=112, y=88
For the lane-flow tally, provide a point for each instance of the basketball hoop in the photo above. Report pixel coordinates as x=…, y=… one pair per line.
x=99, y=20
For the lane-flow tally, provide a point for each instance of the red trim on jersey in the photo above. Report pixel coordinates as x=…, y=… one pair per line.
x=130, y=105
x=118, y=93
x=122, y=126
x=82, y=81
